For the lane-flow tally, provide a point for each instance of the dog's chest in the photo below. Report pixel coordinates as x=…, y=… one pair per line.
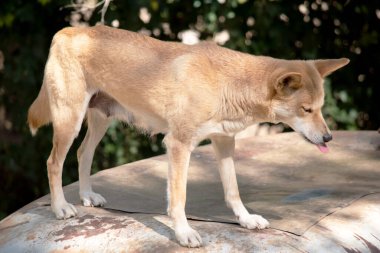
x=225, y=127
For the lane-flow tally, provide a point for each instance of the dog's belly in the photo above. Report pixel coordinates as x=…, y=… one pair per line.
x=144, y=121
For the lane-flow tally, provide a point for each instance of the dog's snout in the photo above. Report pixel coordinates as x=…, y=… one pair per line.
x=327, y=137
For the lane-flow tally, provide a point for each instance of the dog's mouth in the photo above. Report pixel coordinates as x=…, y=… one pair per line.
x=321, y=146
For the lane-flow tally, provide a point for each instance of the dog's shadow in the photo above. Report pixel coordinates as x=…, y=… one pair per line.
x=159, y=227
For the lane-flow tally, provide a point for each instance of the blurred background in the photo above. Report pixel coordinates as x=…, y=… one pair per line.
x=278, y=28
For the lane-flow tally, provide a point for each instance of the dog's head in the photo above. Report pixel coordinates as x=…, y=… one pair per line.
x=298, y=97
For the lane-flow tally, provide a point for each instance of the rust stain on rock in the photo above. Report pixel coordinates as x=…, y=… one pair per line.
x=88, y=226
x=31, y=237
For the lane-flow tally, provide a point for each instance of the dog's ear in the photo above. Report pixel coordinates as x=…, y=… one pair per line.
x=288, y=83
x=326, y=67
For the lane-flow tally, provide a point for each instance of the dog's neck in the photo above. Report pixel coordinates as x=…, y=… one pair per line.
x=246, y=93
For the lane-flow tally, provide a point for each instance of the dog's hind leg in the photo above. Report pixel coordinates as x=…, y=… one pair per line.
x=69, y=97
x=97, y=127
x=67, y=120
x=224, y=148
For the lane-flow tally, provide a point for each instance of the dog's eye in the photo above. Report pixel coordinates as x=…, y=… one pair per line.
x=308, y=110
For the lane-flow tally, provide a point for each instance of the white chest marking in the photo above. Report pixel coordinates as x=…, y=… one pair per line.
x=210, y=128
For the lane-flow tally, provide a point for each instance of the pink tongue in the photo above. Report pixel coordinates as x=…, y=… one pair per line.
x=323, y=148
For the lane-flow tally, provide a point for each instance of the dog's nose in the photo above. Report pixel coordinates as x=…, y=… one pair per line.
x=327, y=137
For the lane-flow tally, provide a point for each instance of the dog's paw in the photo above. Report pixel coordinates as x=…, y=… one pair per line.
x=253, y=221
x=91, y=198
x=64, y=210
x=188, y=237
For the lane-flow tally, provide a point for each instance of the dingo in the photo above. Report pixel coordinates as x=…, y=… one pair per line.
x=187, y=92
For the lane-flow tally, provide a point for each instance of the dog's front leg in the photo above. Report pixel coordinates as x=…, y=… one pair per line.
x=179, y=156
x=224, y=147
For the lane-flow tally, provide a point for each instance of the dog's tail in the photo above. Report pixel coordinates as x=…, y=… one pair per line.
x=39, y=111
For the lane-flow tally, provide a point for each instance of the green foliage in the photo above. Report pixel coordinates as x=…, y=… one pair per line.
x=284, y=29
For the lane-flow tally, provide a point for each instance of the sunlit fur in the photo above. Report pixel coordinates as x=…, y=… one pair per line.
x=187, y=92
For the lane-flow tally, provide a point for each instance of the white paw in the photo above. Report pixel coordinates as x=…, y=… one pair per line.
x=64, y=210
x=188, y=237
x=91, y=198
x=252, y=221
